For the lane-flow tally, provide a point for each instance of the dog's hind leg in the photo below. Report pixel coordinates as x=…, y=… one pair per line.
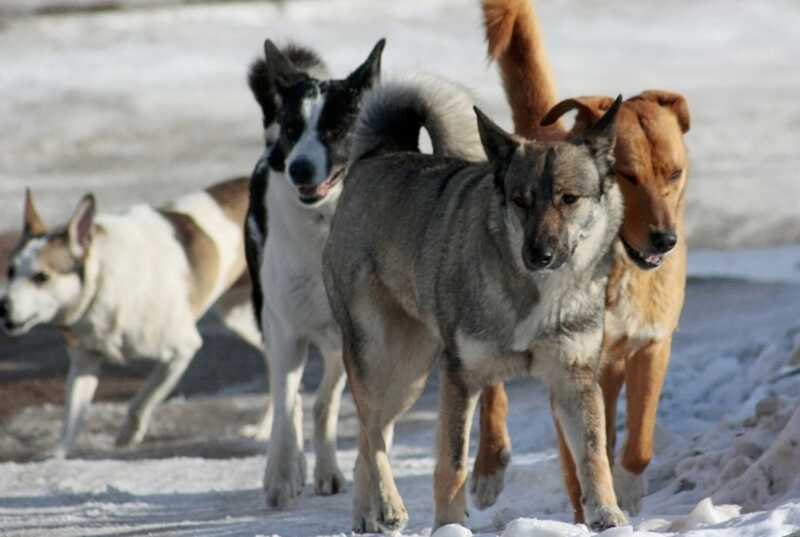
x=578, y=408
x=494, y=449
x=81, y=385
x=285, y=475
x=159, y=384
x=644, y=377
x=327, y=477
x=388, y=365
x=457, y=404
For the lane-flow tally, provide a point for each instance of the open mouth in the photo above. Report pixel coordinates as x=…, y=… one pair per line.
x=643, y=261
x=313, y=193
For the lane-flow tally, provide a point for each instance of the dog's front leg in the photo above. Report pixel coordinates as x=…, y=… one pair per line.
x=578, y=408
x=81, y=384
x=157, y=387
x=457, y=404
x=285, y=474
x=644, y=377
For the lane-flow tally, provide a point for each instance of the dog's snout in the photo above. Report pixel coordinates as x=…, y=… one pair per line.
x=539, y=257
x=663, y=241
x=301, y=171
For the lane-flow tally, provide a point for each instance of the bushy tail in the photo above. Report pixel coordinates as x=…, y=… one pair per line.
x=514, y=41
x=392, y=115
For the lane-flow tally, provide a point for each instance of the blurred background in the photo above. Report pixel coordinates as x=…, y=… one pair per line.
x=144, y=100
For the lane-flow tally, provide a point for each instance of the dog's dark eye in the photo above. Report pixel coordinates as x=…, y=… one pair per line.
x=39, y=278
x=519, y=200
x=630, y=178
x=11, y=273
x=569, y=199
x=676, y=175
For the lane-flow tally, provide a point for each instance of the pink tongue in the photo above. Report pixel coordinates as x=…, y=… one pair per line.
x=653, y=259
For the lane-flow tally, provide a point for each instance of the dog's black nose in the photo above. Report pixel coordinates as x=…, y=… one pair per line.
x=3, y=308
x=539, y=258
x=301, y=171
x=663, y=241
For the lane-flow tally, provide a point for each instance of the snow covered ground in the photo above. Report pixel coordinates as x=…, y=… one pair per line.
x=732, y=387
x=148, y=103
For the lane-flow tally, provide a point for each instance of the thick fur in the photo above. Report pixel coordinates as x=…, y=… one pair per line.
x=489, y=269
x=265, y=91
x=132, y=285
x=303, y=164
x=645, y=293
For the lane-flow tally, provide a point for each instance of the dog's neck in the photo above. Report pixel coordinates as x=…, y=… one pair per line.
x=73, y=314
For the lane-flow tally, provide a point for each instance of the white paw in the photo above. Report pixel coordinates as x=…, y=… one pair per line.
x=604, y=517
x=283, y=481
x=328, y=480
x=630, y=489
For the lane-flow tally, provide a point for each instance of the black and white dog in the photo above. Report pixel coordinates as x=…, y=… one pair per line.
x=294, y=193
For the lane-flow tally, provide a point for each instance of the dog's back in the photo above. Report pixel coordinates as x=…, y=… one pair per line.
x=156, y=271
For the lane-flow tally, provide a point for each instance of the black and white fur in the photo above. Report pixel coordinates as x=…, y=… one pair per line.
x=262, y=84
x=304, y=167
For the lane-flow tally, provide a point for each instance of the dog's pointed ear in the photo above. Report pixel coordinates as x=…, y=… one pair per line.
x=601, y=137
x=590, y=109
x=278, y=66
x=498, y=145
x=32, y=225
x=80, y=226
x=368, y=74
x=675, y=102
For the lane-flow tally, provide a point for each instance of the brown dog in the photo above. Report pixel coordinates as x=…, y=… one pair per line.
x=645, y=292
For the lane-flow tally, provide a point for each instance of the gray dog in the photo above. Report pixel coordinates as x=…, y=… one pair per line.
x=488, y=269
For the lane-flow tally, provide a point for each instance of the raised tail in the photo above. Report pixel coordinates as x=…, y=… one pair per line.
x=392, y=115
x=514, y=41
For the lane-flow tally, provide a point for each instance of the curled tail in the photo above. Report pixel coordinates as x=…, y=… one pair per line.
x=392, y=115
x=514, y=40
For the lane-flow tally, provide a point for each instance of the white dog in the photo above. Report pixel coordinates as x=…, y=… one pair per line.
x=132, y=285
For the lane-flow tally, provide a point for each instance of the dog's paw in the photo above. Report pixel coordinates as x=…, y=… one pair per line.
x=630, y=489
x=604, y=517
x=328, y=480
x=284, y=481
x=487, y=481
x=365, y=523
x=392, y=516
x=131, y=434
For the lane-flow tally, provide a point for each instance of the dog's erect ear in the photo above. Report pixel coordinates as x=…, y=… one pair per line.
x=589, y=110
x=32, y=224
x=368, y=74
x=674, y=101
x=278, y=66
x=601, y=137
x=79, y=228
x=498, y=145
